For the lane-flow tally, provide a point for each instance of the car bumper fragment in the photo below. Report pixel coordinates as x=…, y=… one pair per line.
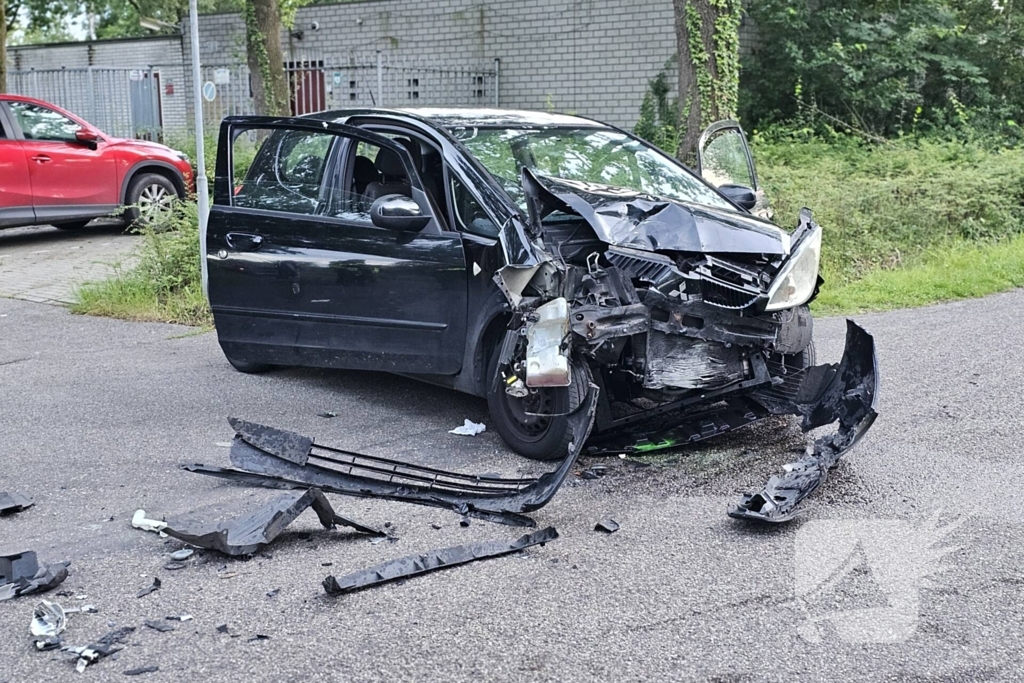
x=847, y=393
x=280, y=459
x=414, y=565
x=246, y=535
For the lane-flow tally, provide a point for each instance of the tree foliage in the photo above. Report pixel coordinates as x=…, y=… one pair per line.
x=886, y=67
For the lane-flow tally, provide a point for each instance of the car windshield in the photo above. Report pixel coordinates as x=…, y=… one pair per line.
x=592, y=155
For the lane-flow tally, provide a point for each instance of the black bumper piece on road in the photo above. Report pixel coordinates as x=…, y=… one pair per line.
x=823, y=394
x=279, y=459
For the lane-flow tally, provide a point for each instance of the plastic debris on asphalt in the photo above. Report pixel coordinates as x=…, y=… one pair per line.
x=20, y=574
x=104, y=647
x=140, y=521
x=141, y=670
x=14, y=502
x=149, y=589
x=245, y=535
x=414, y=565
x=469, y=428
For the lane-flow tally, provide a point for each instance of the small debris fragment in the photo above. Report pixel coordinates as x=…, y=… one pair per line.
x=141, y=670
x=48, y=620
x=414, y=565
x=469, y=428
x=273, y=593
x=464, y=521
x=182, y=555
x=14, y=502
x=222, y=628
x=158, y=625
x=326, y=564
x=149, y=589
x=595, y=472
x=92, y=653
x=328, y=414
x=48, y=643
x=258, y=636
x=183, y=617
x=609, y=526
x=174, y=566
x=435, y=525
x=21, y=574
x=227, y=575
x=140, y=521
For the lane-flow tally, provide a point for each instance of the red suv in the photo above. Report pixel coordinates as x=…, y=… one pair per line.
x=57, y=169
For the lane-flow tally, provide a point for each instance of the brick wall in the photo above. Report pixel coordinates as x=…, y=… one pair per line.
x=590, y=57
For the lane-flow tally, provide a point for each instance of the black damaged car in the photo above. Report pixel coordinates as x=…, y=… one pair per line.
x=596, y=291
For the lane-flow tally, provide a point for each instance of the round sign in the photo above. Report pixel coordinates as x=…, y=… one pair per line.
x=209, y=91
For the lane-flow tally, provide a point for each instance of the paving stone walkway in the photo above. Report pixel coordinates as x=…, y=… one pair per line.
x=45, y=265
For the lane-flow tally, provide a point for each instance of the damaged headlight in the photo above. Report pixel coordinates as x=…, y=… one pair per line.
x=794, y=284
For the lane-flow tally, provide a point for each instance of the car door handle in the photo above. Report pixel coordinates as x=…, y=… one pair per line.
x=243, y=241
x=41, y=158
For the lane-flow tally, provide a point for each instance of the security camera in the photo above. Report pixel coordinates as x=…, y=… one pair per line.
x=315, y=26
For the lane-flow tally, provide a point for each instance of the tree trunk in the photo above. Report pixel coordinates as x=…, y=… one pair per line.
x=707, y=40
x=3, y=46
x=263, y=53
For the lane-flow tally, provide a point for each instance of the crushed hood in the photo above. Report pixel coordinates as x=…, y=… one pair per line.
x=628, y=218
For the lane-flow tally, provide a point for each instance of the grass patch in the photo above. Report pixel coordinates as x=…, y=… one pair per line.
x=960, y=270
x=890, y=207
x=164, y=285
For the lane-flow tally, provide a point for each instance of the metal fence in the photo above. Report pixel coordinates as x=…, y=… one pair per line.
x=126, y=102
x=121, y=102
x=317, y=83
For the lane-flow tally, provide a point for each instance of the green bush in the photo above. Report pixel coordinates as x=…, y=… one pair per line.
x=886, y=206
x=162, y=281
x=889, y=67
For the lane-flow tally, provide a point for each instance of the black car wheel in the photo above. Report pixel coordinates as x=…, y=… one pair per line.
x=248, y=368
x=537, y=425
x=150, y=196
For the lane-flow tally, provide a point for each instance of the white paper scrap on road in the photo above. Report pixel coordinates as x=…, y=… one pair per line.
x=469, y=428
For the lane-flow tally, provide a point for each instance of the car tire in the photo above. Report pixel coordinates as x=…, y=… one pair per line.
x=73, y=225
x=248, y=368
x=148, y=194
x=537, y=438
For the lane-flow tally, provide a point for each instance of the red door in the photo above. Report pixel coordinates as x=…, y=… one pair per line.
x=15, y=190
x=69, y=178
x=307, y=86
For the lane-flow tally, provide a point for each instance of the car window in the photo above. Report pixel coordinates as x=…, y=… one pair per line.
x=40, y=123
x=724, y=160
x=366, y=183
x=593, y=155
x=282, y=170
x=469, y=215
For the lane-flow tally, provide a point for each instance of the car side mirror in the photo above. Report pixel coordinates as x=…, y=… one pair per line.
x=397, y=212
x=741, y=195
x=87, y=137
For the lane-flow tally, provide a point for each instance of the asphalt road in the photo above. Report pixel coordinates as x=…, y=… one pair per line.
x=905, y=566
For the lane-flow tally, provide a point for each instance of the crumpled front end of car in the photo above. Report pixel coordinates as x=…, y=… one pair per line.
x=692, y=322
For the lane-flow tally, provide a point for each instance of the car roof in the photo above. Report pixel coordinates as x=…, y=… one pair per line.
x=463, y=117
x=24, y=98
